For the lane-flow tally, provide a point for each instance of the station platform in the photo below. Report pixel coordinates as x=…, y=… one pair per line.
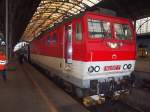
x=27, y=90
x=142, y=64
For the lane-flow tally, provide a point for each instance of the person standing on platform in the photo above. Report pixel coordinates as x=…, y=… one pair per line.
x=3, y=62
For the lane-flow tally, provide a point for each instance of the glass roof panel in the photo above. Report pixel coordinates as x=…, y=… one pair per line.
x=50, y=12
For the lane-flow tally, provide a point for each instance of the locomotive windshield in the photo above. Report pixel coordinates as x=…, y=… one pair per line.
x=122, y=31
x=99, y=29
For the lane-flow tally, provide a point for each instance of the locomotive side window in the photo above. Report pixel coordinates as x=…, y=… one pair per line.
x=78, y=31
x=99, y=29
x=54, y=38
x=48, y=40
x=122, y=31
x=51, y=39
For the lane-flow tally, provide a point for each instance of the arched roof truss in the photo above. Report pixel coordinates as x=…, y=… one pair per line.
x=50, y=12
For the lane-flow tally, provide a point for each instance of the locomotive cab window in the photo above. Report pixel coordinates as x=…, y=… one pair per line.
x=99, y=29
x=78, y=31
x=122, y=31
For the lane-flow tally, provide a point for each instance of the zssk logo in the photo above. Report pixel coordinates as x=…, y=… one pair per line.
x=113, y=67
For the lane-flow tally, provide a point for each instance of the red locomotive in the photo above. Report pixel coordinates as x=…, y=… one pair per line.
x=92, y=54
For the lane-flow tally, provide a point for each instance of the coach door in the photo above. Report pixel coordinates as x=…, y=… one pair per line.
x=68, y=44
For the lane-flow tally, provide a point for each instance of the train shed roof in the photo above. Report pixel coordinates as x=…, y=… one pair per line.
x=50, y=12
x=133, y=9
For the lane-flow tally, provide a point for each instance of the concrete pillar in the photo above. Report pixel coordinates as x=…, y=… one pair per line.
x=10, y=29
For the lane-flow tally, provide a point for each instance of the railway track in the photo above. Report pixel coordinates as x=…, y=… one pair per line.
x=146, y=85
x=114, y=106
x=142, y=80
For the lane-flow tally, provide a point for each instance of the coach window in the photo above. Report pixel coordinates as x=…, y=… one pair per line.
x=99, y=29
x=78, y=31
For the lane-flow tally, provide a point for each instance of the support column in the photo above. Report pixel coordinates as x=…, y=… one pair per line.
x=10, y=30
x=6, y=29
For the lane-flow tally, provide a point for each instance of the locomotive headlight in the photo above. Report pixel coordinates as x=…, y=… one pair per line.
x=97, y=68
x=90, y=69
x=125, y=66
x=112, y=45
x=129, y=66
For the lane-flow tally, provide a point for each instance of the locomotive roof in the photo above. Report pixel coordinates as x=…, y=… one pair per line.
x=77, y=16
x=63, y=22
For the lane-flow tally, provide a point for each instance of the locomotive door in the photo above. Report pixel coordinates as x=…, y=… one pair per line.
x=68, y=44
